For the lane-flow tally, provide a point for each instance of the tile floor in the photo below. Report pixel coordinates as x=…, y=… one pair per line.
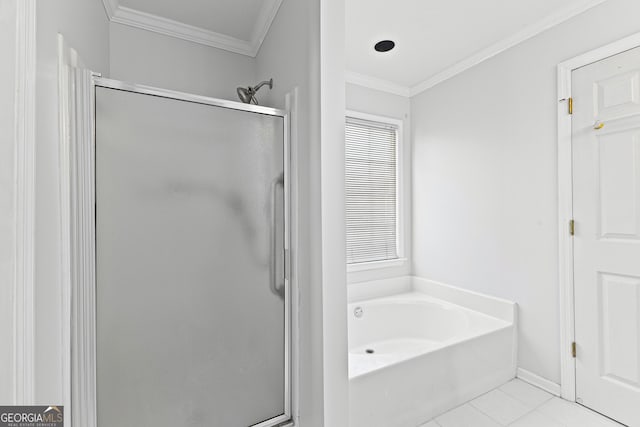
x=519, y=404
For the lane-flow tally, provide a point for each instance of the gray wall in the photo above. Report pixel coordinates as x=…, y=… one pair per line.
x=153, y=59
x=485, y=176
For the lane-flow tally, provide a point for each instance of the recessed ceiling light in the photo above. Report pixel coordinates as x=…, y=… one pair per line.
x=385, y=45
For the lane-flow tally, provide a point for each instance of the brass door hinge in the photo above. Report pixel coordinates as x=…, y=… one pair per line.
x=572, y=227
x=570, y=104
x=574, y=350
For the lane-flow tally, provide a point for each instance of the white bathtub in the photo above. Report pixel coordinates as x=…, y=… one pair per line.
x=418, y=348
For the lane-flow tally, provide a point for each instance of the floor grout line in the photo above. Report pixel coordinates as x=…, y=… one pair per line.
x=524, y=415
x=535, y=386
x=535, y=408
x=498, y=422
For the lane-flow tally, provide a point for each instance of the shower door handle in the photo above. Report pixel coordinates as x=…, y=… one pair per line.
x=276, y=287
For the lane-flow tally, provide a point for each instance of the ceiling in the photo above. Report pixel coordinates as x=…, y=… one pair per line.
x=438, y=38
x=239, y=26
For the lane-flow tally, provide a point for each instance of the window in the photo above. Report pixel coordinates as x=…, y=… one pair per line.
x=371, y=163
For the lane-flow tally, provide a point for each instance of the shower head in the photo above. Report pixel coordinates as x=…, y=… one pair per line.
x=248, y=94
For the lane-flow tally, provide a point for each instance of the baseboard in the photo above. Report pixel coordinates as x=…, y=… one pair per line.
x=538, y=381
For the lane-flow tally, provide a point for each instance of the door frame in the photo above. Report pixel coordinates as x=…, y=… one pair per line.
x=22, y=290
x=565, y=205
x=77, y=163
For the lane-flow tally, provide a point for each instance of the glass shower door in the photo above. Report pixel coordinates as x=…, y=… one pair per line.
x=191, y=312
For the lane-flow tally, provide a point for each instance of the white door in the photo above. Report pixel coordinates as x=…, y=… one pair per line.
x=606, y=202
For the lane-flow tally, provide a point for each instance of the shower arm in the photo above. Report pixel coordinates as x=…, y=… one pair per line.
x=259, y=85
x=248, y=94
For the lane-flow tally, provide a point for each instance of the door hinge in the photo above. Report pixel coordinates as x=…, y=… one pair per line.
x=570, y=105
x=574, y=350
x=572, y=227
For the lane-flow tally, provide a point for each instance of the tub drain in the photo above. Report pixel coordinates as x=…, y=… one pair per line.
x=369, y=351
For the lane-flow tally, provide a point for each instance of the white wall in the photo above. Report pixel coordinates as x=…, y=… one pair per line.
x=84, y=26
x=153, y=59
x=334, y=252
x=485, y=176
x=291, y=54
x=370, y=101
x=7, y=152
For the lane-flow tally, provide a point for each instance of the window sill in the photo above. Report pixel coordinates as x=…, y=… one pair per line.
x=375, y=265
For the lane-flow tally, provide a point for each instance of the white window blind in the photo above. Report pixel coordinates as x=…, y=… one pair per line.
x=371, y=190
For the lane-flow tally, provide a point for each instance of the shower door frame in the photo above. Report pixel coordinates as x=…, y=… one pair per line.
x=80, y=107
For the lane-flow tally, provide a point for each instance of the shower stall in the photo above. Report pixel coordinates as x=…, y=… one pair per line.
x=182, y=316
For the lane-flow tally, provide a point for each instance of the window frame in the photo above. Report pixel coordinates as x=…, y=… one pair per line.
x=401, y=260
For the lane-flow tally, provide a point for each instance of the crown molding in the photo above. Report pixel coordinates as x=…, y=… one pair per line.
x=169, y=27
x=267, y=14
x=528, y=32
x=376, y=84
x=110, y=7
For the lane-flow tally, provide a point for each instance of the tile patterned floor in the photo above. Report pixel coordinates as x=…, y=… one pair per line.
x=518, y=404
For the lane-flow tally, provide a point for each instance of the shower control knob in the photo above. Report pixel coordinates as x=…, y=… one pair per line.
x=358, y=312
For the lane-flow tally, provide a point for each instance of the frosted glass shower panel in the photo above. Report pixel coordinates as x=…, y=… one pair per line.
x=188, y=330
